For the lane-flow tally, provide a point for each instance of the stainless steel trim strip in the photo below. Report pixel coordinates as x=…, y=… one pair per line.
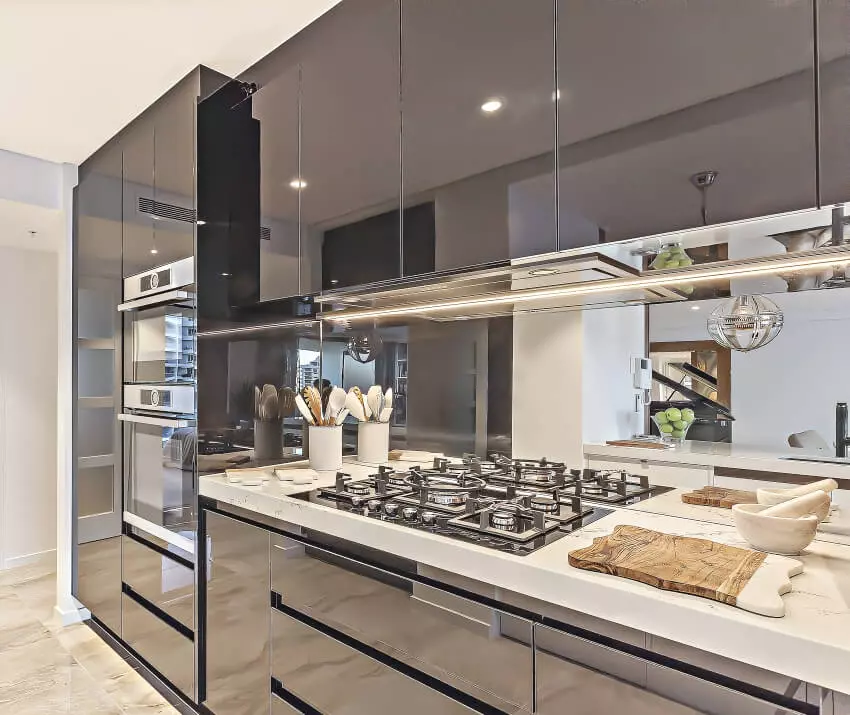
x=160, y=532
x=156, y=421
x=149, y=301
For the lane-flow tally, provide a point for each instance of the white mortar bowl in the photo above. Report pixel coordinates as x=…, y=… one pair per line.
x=774, y=534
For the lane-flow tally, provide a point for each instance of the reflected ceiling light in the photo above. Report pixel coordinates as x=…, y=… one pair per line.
x=726, y=270
x=492, y=105
x=154, y=251
x=226, y=275
x=694, y=307
x=298, y=184
x=201, y=222
x=556, y=95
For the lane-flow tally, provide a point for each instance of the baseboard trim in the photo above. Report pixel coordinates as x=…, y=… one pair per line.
x=28, y=559
x=70, y=616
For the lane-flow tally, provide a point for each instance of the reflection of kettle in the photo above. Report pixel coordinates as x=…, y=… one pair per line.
x=805, y=241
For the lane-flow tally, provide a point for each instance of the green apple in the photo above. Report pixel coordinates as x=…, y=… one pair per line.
x=680, y=425
x=688, y=415
x=661, y=418
x=674, y=414
x=666, y=429
x=678, y=434
x=686, y=289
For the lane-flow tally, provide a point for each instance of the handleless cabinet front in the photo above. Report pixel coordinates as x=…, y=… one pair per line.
x=336, y=679
x=237, y=618
x=281, y=707
x=163, y=581
x=168, y=651
x=470, y=647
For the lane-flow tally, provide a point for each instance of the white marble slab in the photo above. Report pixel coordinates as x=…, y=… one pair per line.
x=811, y=643
x=720, y=454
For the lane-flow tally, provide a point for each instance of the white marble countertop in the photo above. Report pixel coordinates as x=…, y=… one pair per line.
x=721, y=454
x=811, y=643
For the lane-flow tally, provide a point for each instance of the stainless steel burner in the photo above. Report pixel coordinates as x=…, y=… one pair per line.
x=409, y=513
x=429, y=518
x=391, y=509
x=447, y=498
x=545, y=504
x=357, y=488
x=503, y=519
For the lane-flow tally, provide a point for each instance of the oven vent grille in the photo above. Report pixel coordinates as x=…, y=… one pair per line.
x=265, y=233
x=158, y=209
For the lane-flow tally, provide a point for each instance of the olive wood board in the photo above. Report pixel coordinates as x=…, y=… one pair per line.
x=719, y=497
x=638, y=443
x=749, y=580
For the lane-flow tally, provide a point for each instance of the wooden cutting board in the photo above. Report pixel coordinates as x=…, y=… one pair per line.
x=719, y=496
x=637, y=443
x=738, y=577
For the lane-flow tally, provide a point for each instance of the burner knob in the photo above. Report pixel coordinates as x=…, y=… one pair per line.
x=374, y=505
x=429, y=518
x=410, y=513
x=391, y=509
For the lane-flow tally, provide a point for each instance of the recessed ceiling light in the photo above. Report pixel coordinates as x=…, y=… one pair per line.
x=492, y=105
x=154, y=251
x=298, y=184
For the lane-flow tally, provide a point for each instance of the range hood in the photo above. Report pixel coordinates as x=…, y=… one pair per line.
x=495, y=289
x=553, y=282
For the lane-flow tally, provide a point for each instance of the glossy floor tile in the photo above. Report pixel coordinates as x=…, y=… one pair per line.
x=46, y=669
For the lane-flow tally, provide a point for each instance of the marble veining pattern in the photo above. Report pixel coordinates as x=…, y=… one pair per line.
x=46, y=669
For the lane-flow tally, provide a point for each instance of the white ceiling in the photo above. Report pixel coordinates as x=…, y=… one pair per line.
x=74, y=72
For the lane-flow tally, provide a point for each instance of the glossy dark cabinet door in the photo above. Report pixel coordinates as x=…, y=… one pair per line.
x=141, y=251
x=834, y=74
x=478, y=87
x=276, y=109
x=654, y=93
x=350, y=119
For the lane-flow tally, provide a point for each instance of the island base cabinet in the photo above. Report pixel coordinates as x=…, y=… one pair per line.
x=575, y=675
x=281, y=707
x=465, y=645
x=336, y=679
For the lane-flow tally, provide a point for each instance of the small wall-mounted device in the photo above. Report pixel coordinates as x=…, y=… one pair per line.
x=642, y=373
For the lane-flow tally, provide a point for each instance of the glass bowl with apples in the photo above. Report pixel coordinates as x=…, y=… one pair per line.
x=673, y=424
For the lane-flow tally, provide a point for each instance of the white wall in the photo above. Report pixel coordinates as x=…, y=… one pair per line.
x=28, y=389
x=789, y=385
x=572, y=380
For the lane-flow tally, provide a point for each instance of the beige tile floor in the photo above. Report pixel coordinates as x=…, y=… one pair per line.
x=46, y=669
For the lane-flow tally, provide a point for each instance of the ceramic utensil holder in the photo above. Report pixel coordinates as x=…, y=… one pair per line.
x=268, y=440
x=373, y=442
x=325, y=448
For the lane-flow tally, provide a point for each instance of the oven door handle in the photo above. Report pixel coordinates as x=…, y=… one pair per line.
x=156, y=421
x=160, y=532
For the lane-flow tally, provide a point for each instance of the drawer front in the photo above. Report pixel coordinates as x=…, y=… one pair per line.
x=161, y=580
x=171, y=653
x=281, y=707
x=462, y=643
x=338, y=680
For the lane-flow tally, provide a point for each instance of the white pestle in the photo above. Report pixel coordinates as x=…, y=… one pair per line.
x=823, y=485
x=816, y=502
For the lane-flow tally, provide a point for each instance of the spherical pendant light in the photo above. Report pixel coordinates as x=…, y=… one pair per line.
x=745, y=323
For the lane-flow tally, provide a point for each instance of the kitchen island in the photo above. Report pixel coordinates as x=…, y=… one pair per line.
x=543, y=634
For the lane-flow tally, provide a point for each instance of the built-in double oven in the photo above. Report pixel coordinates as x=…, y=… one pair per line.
x=160, y=431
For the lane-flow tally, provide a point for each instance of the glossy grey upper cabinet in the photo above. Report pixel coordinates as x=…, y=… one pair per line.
x=478, y=89
x=140, y=250
x=276, y=108
x=174, y=172
x=834, y=74
x=655, y=93
x=159, y=181
x=350, y=135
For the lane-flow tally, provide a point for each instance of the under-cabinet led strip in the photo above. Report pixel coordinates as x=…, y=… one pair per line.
x=821, y=258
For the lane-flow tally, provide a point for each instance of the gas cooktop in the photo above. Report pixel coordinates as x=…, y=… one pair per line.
x=512, y=505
